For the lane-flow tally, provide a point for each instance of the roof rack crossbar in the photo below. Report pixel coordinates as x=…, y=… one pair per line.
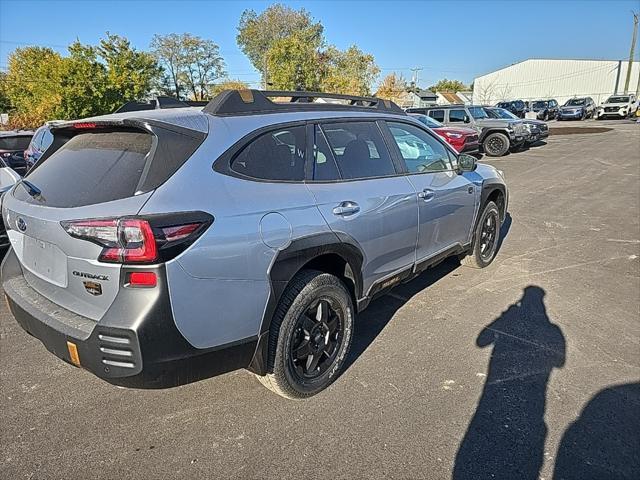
x=246, y=102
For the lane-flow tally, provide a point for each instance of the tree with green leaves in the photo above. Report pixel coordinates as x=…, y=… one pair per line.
x=293, y=65
x=258, y=33
x=191, y=64
x=350, y=72
x=84, y=84
x=32, y=85
x=130, y=73
x=42, y=85
x=446, y=85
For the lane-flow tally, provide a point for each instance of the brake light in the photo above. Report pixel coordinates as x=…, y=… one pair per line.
x=132, y=240
x=127, y=240
x=84, y=125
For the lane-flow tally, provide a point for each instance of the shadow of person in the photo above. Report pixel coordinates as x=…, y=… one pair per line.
x=505, y=439
x=604, y=442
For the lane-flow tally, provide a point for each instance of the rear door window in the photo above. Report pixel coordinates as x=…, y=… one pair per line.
x=324, y=164
x=359, y=149
x=90, y=168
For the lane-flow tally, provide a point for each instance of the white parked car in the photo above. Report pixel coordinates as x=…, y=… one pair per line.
x=618, y=106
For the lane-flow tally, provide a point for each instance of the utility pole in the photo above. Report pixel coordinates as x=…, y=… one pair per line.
x=631, y=52
x=414, y=76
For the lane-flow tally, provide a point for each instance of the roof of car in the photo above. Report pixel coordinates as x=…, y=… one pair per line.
x=231, y=103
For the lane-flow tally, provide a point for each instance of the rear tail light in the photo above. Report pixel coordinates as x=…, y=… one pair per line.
x=134, y=240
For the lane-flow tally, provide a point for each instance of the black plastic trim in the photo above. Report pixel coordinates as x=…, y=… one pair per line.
x=288, y=262
x=142, y=319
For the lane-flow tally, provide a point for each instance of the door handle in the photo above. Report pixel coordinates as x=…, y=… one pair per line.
x=346, y=208
x=427, y=194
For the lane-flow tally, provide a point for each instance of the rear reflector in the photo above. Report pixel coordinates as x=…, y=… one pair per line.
x=179, y=232
x=142, y=279
x=73, y=353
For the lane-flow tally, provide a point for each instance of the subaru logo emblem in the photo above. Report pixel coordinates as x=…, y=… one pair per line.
x=22, y=225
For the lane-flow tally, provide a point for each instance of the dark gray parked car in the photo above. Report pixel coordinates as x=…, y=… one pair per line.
x=537, y=130
x=159, y=247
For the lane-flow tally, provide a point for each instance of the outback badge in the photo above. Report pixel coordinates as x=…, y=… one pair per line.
x=94, y=288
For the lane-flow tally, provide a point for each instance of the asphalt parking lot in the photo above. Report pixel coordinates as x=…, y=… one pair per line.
x=529, y=368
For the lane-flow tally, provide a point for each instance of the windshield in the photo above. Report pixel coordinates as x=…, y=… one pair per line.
x=575, y=102
x=500, y=113
x=428, y=121
x=478, y=112
x=540, y=104
x=617, y=100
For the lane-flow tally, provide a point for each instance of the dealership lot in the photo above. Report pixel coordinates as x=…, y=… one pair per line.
x=561, y=306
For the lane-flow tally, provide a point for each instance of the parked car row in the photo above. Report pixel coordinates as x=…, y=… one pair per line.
x=578, y=108
x=497, y=130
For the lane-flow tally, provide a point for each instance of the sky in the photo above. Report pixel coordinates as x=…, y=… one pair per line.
x=454, y=39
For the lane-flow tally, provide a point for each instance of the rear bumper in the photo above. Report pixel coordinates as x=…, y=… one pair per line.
x=136, y=343
x=470, y=147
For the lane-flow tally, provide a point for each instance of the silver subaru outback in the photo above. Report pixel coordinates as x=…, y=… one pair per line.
x=155, y=248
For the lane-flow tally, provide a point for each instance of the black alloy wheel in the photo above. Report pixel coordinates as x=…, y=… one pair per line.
x=489, y=236
x=316, y=339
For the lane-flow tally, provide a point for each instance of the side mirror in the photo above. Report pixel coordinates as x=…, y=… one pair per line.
x=466, y=119
x=466, y=163
x=8, y=178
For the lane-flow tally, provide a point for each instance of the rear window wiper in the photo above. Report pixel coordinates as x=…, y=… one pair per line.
x=31, y=189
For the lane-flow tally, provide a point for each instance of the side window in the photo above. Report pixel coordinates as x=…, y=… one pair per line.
x=458, y=115
x=359, y=149
x=276, y=155
x=324, y=164
x=421, y=152
x=36, y=140
x=437, y=115
x=46, y=140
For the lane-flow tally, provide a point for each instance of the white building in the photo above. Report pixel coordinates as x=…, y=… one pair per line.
x=539, y=79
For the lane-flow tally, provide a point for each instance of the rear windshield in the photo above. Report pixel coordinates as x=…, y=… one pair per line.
x=90, y=168
x=15, y=143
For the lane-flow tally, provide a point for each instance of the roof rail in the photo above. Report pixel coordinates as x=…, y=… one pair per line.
x=247, y=102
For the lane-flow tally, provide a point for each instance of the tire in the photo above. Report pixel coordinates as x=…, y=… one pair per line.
x=296, y=327
x=546, y=117
x=479, y=256
x=496, y=144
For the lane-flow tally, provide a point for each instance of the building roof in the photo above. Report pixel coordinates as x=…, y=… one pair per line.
x=451, y=97
x=423, y=92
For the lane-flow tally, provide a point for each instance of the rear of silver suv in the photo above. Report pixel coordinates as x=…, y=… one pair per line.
x=86, y=272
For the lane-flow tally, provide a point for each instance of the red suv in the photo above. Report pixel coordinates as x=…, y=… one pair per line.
x=460, y=138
